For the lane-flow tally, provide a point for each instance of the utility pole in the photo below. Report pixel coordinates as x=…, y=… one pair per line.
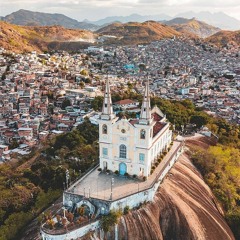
x=67, y=177
x=112, y=183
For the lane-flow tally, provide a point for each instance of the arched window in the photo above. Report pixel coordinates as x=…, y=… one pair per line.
x=122, y=151
x=104, y=129
x=142, y=134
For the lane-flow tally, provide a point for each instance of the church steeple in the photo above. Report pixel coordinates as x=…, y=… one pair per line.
x=107, y=110
x=145, y=116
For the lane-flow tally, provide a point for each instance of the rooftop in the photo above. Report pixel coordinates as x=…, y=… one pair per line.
x=98, y=185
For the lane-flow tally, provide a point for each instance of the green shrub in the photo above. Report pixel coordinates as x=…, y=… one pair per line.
x=126, y=210
x=109, y=220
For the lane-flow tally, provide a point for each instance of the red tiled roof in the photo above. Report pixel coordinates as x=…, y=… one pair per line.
x=133, y=121
x=157, y=128
x=156, y=117
x=124, y=101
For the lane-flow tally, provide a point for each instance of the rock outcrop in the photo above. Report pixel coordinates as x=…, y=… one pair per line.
x=184, y=209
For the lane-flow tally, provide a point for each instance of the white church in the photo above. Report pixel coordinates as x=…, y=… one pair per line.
x=132, y=145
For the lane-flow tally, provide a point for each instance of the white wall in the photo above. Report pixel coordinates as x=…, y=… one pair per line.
x=131, y=201
x=73, y=234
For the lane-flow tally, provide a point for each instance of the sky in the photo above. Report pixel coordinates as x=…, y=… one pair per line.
x=97, y=9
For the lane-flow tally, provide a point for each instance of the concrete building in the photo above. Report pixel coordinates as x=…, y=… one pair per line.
x=132, y=145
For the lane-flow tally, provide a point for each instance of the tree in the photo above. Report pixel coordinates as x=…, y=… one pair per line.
x=109, y=220
x=199, y=119
x=81, y=84
x=97, y=103
x=84, y=72
x=14, y=144
x=66, y=102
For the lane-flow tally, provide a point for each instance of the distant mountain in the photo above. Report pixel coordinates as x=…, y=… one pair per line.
x=29, y=18
x=130, y=18
x=26, y=39
x=220, y=19
x=192, y=26
x=224, y=38
x=137, y=33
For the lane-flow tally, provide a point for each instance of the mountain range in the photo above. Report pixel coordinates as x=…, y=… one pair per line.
x=130, y=18
x=193, y=27
x=64, y=33
x=219, y=19
x=29, y=18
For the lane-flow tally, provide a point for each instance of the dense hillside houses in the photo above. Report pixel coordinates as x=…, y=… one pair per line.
x=42, y=93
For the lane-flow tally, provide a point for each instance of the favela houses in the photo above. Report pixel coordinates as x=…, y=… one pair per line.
x=119, y=120
x=134, y=157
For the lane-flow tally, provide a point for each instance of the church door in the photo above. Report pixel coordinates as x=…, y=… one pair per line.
x=122, y=168
x=104, y=165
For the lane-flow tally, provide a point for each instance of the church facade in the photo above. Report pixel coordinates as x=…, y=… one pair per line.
x=132, y=145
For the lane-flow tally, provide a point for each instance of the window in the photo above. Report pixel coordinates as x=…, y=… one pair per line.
x=141, y=157
x=123, y=130
x=104, y=129
x=105, y=152
x=122, y=151
x=142, y=134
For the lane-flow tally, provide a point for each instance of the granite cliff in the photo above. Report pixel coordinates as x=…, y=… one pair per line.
x=184, y=209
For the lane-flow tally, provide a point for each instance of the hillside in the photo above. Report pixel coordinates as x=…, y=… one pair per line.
x=20, y=39
x=136, y=33
x=184, y=208
x=192, y=26
x=224, y=38
x=217, y=19
x=29, y=18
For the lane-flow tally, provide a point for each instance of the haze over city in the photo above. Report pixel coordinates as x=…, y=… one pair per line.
x=96, y=9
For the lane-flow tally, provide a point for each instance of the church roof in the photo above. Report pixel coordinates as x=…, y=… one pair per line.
x=156, y=117
x=157, y=128
x=133, y=121
x=125, y=101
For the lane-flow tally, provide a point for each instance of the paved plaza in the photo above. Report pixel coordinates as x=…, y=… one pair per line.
x=98, y=185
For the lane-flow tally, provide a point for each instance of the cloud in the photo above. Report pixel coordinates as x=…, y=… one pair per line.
x=95, y=9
